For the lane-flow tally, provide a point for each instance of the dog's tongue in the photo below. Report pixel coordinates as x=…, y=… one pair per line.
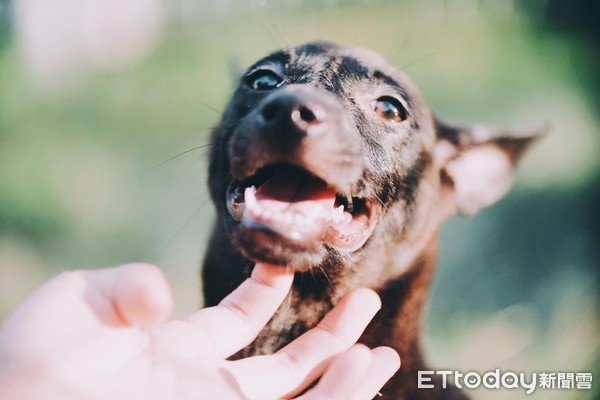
x=288, y=194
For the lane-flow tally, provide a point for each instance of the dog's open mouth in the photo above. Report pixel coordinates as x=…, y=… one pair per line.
x=301, y=207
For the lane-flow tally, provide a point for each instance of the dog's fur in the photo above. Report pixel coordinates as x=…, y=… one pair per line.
x=420, y=170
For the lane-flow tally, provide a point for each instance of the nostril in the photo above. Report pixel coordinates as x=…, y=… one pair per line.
x=307, y=115
x=304, y=115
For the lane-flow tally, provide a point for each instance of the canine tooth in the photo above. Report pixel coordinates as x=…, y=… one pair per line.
x=249, y=197
x=337, y=215
x=237, y=211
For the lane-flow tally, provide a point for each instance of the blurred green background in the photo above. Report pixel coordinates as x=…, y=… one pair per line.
x=98, y=97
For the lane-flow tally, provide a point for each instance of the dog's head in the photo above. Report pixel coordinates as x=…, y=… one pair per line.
x=324, y=147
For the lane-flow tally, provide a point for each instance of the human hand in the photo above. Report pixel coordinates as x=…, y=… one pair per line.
x=100, y=335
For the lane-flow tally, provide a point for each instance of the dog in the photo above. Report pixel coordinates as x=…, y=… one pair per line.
x=327, y=160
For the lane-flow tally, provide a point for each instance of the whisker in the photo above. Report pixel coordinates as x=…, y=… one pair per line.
x=419, y=59
x=327, y=277
x=400, y=52
x=382, y=203
x=211, y=108
x=181, y=154
x=267, y=27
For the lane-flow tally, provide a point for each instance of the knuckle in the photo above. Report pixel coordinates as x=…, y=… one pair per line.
x=290, y=360
x=238, y=312
x=331, y=334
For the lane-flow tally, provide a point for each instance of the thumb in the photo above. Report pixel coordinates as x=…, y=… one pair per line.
x=140, y=293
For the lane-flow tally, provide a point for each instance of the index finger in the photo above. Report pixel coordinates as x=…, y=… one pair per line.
x=293, y=368
x=237, y=320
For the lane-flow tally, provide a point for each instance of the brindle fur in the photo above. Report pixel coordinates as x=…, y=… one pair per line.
x=401, y=168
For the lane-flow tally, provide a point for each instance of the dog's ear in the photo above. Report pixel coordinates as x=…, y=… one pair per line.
x=477, y=163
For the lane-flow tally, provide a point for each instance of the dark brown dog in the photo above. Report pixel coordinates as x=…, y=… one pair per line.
x=328, y=160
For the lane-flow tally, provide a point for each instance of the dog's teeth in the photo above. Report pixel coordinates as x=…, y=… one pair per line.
x=337, y=215
x=300, y=219
x=296, y=235
x=350, y=205
x=267, y=214
x=288, y=218
x=258, y=210
x=237, y=211
x=249, y=197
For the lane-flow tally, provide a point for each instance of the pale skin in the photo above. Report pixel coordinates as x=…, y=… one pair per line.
x=104, y=334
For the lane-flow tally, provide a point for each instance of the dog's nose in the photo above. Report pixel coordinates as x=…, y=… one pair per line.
x=284, y=111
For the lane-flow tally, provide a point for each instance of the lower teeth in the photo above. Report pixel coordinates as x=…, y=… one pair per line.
x=251, y=205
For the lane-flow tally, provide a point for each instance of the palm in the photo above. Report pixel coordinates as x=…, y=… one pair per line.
x=98, y=335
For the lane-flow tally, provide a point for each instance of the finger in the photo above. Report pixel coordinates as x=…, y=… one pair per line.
x=141, y=295
x=358, y=374
x=384, y=365
x=294, y=367
x=83, y=302
x=238, y=319
x=130, y=295
x=344, y=376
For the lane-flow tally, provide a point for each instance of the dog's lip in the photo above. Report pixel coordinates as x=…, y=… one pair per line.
x=319, y=213
x=353, y=236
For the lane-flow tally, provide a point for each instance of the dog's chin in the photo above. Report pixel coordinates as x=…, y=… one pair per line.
x=259, y=243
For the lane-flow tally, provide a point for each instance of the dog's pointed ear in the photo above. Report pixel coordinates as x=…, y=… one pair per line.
x=477, y=163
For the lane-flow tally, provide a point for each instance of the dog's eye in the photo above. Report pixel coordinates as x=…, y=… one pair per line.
x=389, y=108
x=263, y=80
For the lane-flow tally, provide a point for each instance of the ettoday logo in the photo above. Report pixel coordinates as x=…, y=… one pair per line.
x=507, y=380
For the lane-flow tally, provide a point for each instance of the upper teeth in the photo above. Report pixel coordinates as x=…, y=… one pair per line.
x=249, y=197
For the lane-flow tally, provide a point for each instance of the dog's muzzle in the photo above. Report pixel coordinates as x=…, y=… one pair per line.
x=295, y=160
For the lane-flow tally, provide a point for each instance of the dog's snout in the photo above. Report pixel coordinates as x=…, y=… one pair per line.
x=300, y=125
x=293, y=112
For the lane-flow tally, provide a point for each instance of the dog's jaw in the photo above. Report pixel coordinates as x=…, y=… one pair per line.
x=293, y=209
